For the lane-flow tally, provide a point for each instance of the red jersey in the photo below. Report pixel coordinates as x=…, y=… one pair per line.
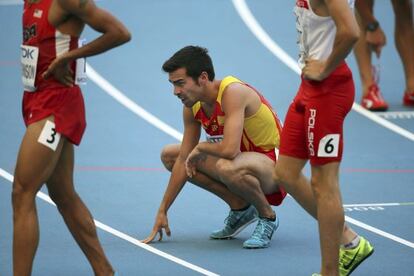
x=50, y=43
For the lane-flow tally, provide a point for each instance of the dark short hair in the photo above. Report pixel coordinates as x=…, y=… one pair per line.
x=194, y=59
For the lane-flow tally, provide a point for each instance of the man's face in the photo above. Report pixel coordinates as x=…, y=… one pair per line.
x=185, y=88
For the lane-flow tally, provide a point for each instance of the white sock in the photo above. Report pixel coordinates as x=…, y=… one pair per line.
x=354, y=243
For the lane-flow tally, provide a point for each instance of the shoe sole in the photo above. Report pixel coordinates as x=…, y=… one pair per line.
x=378, y=109
x=369, y=254
x=256, y=247
x=241, y=228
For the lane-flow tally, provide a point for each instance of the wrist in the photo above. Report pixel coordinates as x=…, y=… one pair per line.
x=372, y=26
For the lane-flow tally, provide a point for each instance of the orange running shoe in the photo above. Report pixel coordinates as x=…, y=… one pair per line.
x=373, y=100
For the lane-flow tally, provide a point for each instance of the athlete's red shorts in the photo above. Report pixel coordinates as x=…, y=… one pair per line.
x=313, y=126
x=276, y=198
x=65, y=104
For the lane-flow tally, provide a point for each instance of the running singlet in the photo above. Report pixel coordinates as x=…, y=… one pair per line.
x=42, y=43
x=316, y=34
x=261, y=131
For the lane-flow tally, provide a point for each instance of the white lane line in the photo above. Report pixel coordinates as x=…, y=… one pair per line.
x=262, y=36
x=124, y=236
x=379, y=232
x=396, y=114
x=379, y=204
x=131, y=105
x=247, y=17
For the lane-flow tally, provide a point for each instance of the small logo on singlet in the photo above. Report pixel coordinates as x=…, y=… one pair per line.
x=38, y=13
x=29, y=32
x=302, y=4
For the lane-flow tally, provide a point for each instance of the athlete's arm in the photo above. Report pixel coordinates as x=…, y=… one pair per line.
x=178, y=175
x=114, y=33
x=234, y=103
x=347, y=34
x=365, y=11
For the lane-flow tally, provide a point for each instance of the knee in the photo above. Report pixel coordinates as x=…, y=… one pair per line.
x=227, y=172
x=283, y=175
x=168, y=157
x=21, y=194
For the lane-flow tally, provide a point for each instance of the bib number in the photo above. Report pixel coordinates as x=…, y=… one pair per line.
x=328, y=146
x=49, y=137
x=214, y=138
x=29, y=57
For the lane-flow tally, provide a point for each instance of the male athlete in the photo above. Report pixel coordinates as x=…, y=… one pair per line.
x=236, y=161
x=313, y=128
x=53, y=111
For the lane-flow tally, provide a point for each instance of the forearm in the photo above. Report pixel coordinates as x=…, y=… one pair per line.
x=365, y=11
x=102, y=44
x=218, y=149
x=175, y=185
x=343, y=44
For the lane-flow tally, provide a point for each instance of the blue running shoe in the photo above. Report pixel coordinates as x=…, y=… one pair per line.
x=235, y=222
x=262, y=234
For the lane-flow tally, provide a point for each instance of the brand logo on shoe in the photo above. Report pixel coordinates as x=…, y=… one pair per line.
x=348, y=265
x=368, y=103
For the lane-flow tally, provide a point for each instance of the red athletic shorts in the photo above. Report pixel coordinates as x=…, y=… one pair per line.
x=65, y=104
x=277, y=197
x=313, y=126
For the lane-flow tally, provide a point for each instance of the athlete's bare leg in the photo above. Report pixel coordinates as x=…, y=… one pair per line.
x=35, y=163
x=363, y=57
x=330, y=213
x=249, y=175
x=76, y=215
x=169, y=155
x=289, y=171
x=404, y=38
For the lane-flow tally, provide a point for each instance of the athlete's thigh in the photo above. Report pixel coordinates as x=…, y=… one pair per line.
x=209, y=167
x=39, y=152
x=258, y=165
x=60, y=183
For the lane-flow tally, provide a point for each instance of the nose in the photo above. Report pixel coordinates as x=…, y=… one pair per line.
x=177, y=91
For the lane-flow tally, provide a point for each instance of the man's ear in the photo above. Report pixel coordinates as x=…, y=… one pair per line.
x=203, y=78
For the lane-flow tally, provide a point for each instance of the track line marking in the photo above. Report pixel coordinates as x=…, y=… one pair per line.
x=131, y=105
x=248, y=18
x=124, y=236
x=379, y=204
x=396, y=114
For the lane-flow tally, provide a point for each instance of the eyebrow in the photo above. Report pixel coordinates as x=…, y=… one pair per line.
x=176, y=81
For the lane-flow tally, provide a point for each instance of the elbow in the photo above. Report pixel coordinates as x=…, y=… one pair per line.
x=125, y=36
x=121, y=35
x=353, y=34
x=350, y=36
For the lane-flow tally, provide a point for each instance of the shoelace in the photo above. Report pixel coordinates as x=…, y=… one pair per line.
x=262, y=227
x=231, y=219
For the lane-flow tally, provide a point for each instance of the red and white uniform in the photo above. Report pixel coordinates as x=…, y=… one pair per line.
x=313, y=126
x=42, y=43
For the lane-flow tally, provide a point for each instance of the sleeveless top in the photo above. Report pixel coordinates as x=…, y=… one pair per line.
x=261, y=131
x=42, y=43
x=316, y=34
